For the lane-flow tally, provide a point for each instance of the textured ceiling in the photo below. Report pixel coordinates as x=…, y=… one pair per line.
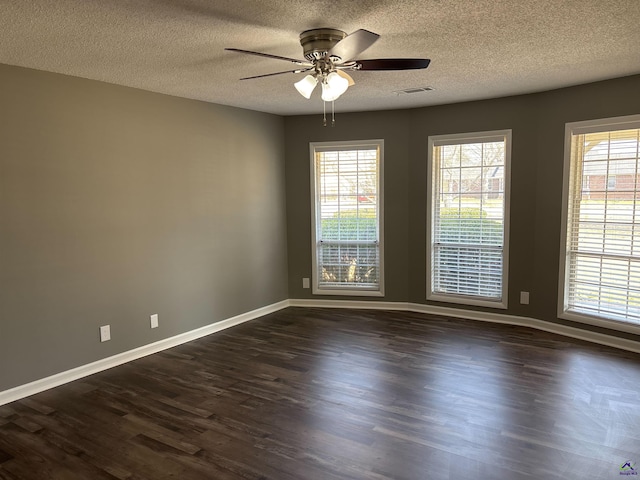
x=479, y=48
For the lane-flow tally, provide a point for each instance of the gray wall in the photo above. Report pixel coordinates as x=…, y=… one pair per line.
x=117, y=203
x=537, y=122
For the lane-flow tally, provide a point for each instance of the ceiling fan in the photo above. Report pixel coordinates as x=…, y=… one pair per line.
x=328, y=53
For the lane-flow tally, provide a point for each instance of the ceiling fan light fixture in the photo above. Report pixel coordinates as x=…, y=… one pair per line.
x=306, y=85
x=333, y=86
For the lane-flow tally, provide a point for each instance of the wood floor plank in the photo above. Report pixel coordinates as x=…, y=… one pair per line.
x=328, y=394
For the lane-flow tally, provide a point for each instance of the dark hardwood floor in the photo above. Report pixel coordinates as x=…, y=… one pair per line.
x=322, y=394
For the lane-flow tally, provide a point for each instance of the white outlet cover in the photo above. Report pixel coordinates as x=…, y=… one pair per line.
x=105, y=333
x=305, y=283
x=154, y=320
x=524, y=298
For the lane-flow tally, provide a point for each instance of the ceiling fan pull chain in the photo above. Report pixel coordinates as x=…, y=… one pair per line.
x=324, y=113
x=333, y=114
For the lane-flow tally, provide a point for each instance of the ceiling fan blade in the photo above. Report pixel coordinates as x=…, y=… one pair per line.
x=268, y=55
x=353, y=45
x=393, y=64
x=277, y=73
x=344, y=74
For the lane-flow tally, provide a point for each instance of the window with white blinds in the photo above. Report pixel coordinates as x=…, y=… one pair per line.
x=347, y=218
x=600, y=278
x=468, y=218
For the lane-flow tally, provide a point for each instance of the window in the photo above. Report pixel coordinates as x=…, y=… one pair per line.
x=347, y=218
x=468, y=218
x=600, y=257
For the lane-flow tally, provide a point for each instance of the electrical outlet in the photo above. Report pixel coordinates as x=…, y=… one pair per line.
x=305, y=283
x=154, y=320
x=105, y=333
x=524, y=298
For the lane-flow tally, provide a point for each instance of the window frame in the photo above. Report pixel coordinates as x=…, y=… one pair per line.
x=459, y=139
x=572, y=129
x=347, y=290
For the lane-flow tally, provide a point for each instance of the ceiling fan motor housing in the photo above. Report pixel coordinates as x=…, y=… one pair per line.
x=317, y=42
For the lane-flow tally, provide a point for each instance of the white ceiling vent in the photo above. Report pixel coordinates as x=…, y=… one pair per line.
x=413, y=90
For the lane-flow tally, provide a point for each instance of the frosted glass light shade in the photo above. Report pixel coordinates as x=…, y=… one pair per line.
x=306, y=85
x=333, y=87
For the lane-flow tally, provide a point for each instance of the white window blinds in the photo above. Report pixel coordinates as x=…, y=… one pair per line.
x=468, y=211
x=347, y=217
x=602, y=271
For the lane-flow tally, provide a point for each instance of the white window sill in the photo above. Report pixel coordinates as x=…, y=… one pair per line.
x=350, y=292
x=611, y=324
x=468, y=300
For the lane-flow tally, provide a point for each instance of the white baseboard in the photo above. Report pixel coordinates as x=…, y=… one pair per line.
x=37, y=386
x=46, y=383
x=572, y=332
